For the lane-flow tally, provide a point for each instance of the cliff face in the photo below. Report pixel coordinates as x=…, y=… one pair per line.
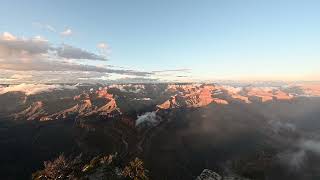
x=170, y=126
x=197, y=95
x=191, y=96
x=103, y=103
x=99, y=103
x=33, y=112
x=207, y=174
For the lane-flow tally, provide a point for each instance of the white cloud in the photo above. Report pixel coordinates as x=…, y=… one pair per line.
x=148, y=117
x=296, y=159
x=39, y=38
x=21, y=76
x=8, y=36
x=66, y=32
x=38, y=54
x=104, y=49
x=11, y=46
x=44, y=26
x=311, y=145
x=31, y=77
x=50, y=28
x=30, y=89
x=102, y=46
x=70, y=52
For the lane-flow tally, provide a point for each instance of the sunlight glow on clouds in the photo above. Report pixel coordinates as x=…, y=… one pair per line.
x=38, y=54
x=36, y=59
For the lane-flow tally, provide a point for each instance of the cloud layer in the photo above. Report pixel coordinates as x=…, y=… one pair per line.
x=148, y=117
x=13, y=47
x=30, y=89
x=37, y=54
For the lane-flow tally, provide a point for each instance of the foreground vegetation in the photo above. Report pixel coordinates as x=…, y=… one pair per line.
x=99, y=167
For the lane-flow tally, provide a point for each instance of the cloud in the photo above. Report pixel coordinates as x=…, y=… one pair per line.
x=11, y=46
x=66, y=32
x=311, y=145
x=21, y=76
x=8, y=36
x=296, y=159
x=149, y=118
x=172, y=70
x=16, y=77
x=181, y=76
x=70, y=52
x=44, y=26
x=38, y=54
x=123, y=78
x=104, y=48
x=50, y=65
x=30, y=89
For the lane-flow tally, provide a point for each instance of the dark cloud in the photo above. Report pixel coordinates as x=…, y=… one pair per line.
x=38, y=54
x=51, y=65
x=21, y=47
x=41, y=63
x=11, y=46
x=70, y=52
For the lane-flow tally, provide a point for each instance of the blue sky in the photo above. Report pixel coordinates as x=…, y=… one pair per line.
x=226, y=39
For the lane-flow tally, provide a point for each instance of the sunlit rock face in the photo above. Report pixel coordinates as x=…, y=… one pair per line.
x=197, y=95
x=99, y=103
x=189, y=118
x=33, y=112
x=220, y=101
x=191, y=96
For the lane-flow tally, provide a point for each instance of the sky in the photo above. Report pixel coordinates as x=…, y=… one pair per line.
x=151, y=41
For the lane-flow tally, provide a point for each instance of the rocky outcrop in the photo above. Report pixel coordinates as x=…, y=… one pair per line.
x=191, y=96
x=82, y=108
x=33, y=112
x=207, y=174
x=99, y=103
